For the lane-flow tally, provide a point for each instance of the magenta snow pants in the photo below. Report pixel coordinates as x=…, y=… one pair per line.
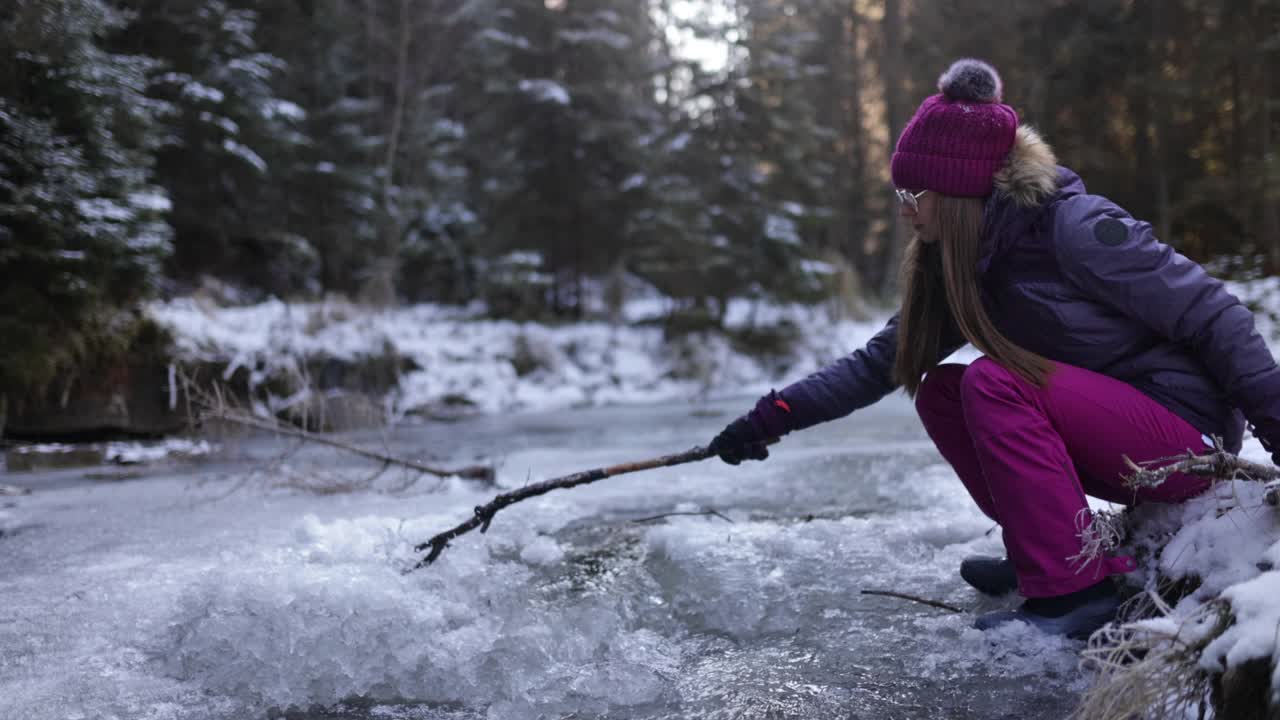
x=1029, y=455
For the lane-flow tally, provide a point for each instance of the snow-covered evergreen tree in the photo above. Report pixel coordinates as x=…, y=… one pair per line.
x=82, y=226
x=565, y=95
x=228, y=143
x=738, y=207
x=329, y=183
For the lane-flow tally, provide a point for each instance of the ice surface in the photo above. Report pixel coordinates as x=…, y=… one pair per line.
x=201, y=597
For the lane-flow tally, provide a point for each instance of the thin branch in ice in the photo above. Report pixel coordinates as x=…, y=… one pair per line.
x=674, y=514
x=913, y=598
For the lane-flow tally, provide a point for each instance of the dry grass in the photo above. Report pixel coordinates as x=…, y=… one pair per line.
x=1146, y=671
x=1105, y=533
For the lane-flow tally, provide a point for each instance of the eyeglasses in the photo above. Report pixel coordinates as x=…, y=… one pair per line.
x=909, y=199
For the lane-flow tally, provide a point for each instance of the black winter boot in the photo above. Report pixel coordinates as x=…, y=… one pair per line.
x=990, y=575
x=1075, y=615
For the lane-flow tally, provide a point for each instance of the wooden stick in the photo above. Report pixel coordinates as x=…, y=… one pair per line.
x=913, y=598
x=483, y=514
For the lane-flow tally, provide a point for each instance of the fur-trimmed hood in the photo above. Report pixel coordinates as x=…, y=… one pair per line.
x=1025, y=186
x=1030, y=173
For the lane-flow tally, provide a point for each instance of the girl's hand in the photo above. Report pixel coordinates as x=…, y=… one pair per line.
x=739, y=441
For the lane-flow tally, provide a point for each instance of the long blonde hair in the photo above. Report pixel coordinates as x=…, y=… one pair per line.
x=940, y=287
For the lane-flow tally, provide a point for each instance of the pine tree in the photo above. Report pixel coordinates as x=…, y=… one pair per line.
x=564, y=95
x=756, y=161
x=229, y=142
x=329, y=183
x=82, y=228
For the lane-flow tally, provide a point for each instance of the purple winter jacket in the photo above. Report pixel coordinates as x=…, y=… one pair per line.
x=1075, y=279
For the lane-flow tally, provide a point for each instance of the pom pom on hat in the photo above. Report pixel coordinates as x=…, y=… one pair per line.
x=957, y=139
x=971, y=80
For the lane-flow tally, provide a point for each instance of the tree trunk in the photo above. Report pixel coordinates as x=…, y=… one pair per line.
x=1160, y=142
x=1143, y=188
x=834, y=111
x=895, y=117
x=1270, y=165
x=380, y=287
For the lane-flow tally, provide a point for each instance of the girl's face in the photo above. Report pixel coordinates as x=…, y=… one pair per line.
x=922, y=216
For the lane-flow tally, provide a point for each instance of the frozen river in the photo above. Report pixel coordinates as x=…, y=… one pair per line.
x=217, y=592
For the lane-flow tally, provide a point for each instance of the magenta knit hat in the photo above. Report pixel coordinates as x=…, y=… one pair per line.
x=957, y=139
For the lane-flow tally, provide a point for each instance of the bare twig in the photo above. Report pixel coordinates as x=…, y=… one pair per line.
x=213, y=405
x=675, y=514
x=483, y=514
x=913, y=598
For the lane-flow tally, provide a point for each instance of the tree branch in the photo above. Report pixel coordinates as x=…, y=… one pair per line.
x=211, y=405
x=1220, y=464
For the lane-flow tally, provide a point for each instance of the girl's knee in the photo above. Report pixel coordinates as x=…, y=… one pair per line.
x=941, y=387
x=982, y=375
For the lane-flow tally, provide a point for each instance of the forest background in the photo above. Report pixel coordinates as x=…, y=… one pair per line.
x=547, y=157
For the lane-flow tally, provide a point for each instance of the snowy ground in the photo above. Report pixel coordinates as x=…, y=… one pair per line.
x=502, y=366
x=124, y=452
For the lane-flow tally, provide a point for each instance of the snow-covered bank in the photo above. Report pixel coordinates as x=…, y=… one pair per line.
x=462, y=360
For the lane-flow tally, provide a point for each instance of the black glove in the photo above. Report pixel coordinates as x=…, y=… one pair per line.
x=1266, y=445
x=739, y=441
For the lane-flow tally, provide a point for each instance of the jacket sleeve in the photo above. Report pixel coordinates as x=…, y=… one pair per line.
x=855, y=381
x=1116, y=260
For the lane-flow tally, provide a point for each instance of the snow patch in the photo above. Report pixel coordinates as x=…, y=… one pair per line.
x=782, y=229
x=134, y=453
x=245, y=153
x=544, y=90
x=194, y=90
x=596, y=36
x=502, y=38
